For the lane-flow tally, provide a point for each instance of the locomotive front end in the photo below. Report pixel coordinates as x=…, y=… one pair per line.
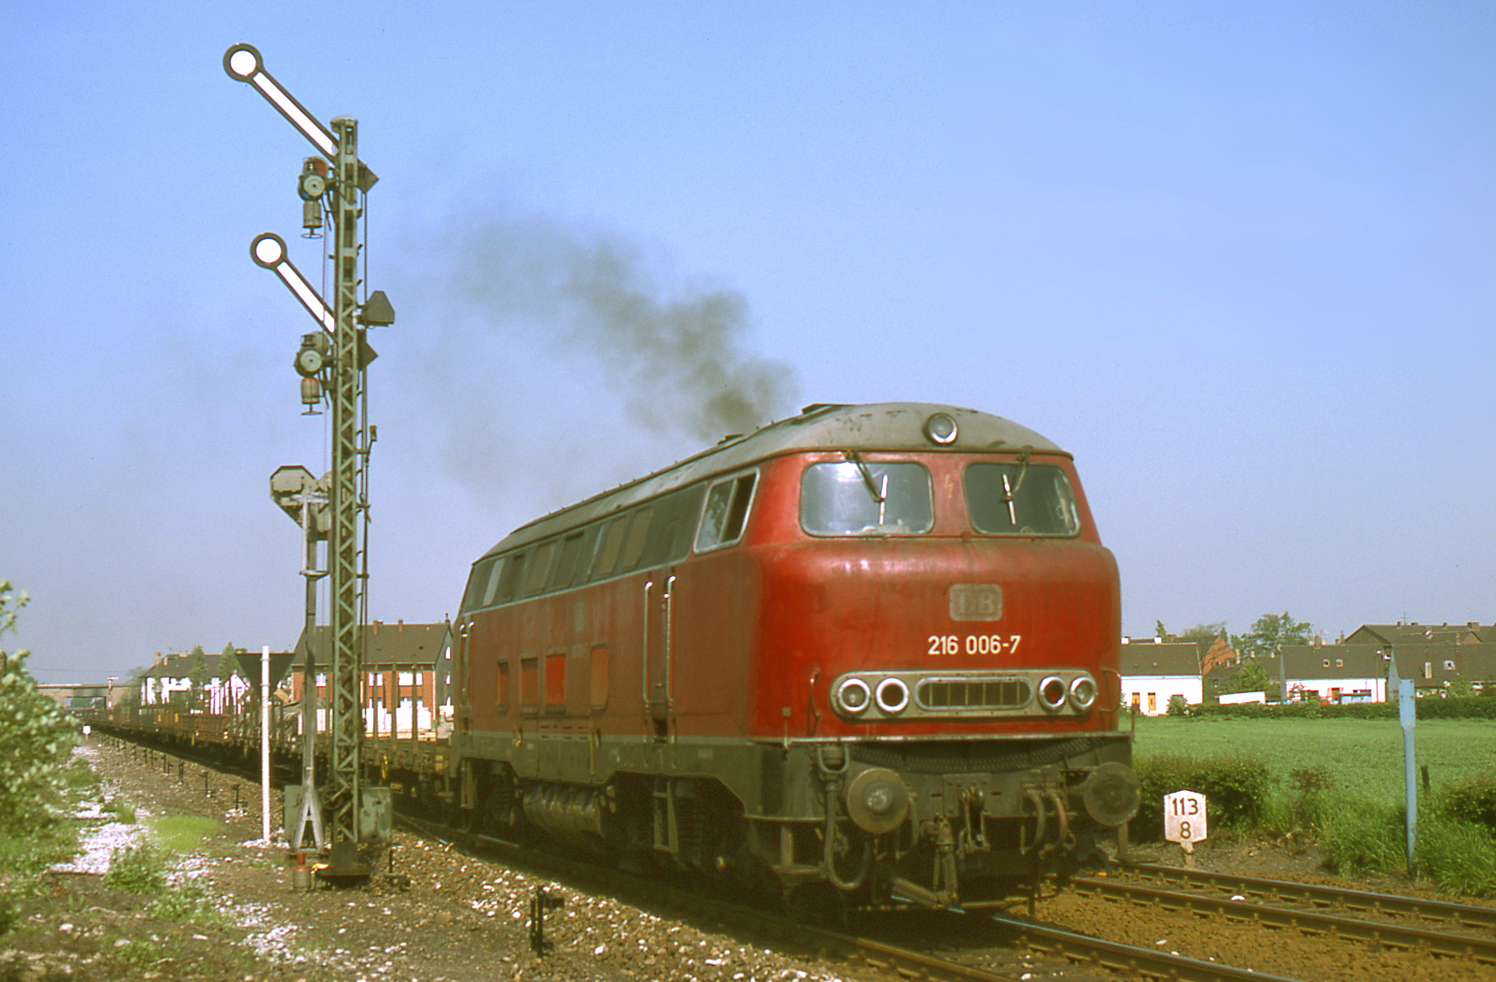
x=940, y=652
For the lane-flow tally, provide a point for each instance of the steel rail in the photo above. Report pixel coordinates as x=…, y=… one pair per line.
x=1466, y=915
x=1126, y=958
x=1304, y=921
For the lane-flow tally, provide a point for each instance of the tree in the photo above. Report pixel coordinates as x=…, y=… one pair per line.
x=197, y=677
x=1269, y=634
x=1203, y=635
x=38, y=737
x=1253, y=678
x=128, y=698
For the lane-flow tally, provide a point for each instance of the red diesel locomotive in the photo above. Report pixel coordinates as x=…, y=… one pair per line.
x=873, y=648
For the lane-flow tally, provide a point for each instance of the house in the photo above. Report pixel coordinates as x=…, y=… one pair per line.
x=407, y=685
x=1398, y=635
x=1436, y=656
x=1336, y=673
x=169, y=680
x=1153, y=672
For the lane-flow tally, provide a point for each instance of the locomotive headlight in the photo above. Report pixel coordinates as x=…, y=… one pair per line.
x=1082, y=693
x=941, y=428
x=892, y=695
x=853, y=696
x=1052, y=692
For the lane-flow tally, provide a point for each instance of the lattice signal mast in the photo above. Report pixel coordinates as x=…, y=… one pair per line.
x=337, y=358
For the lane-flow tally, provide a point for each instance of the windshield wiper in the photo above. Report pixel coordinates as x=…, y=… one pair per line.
x=1010, y=491
x=867, y=477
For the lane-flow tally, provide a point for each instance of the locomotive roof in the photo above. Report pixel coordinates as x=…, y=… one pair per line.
x=895, y=426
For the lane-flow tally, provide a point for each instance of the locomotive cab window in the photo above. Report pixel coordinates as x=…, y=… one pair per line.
x=861, y=497
x=726, y=512
x=1021, y=499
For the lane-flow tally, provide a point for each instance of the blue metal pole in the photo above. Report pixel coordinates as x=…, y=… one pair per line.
x=1408, y=716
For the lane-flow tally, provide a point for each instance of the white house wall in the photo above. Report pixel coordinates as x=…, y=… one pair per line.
x=1322, y=688
x=1162, y=688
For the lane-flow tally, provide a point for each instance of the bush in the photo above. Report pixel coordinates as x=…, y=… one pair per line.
x=1235, y=787
x=136, y=869
x=38, y=737
x=1471, y=707
x=1473, y=802
x=1428, y=707
x=24, y=860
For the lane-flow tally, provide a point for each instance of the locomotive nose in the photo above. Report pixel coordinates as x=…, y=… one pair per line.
x=877, y=800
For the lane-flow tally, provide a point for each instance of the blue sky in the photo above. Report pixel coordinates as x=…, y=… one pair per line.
x=1239, y=261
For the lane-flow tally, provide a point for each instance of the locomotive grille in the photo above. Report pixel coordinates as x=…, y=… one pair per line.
x=973, y=695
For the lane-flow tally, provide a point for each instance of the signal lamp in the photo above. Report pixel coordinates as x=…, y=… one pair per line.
x=311, y=394
x=892, y=696
x=1082, y=693
x=853, y=696
x=1052, y=692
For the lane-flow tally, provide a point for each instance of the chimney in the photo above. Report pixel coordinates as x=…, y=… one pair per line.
x=400, y=625
x=375, y=629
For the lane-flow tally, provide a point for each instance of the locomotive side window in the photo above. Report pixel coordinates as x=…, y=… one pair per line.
x=638, y=535
x=514, y=570
x=540, y=567
x=529, y=682
x=491, y=590
x=726, y=512
x=610, y=544
x=1021, y=499
x=860, y=497
x=674, y=524
x=501, y=701
x=566, y=564
x=599, y=680
x=482, y=584
x=555, y=681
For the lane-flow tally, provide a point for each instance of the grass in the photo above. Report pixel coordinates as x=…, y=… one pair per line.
x=1345, y=780
x=1364, y=757
x=182, y=833
x=137, y=869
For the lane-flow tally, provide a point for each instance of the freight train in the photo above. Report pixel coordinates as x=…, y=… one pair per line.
x=867, y=652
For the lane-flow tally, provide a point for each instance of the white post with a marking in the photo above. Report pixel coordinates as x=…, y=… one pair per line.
x=265, y=743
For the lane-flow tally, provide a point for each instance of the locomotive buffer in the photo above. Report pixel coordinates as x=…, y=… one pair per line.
x=336, y=359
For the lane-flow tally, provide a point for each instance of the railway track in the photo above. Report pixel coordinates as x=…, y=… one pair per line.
x=1000, y=948
x=1308, y=922
x=1340, y=898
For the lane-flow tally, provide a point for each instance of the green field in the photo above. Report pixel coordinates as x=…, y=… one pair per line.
x=1365, y=757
